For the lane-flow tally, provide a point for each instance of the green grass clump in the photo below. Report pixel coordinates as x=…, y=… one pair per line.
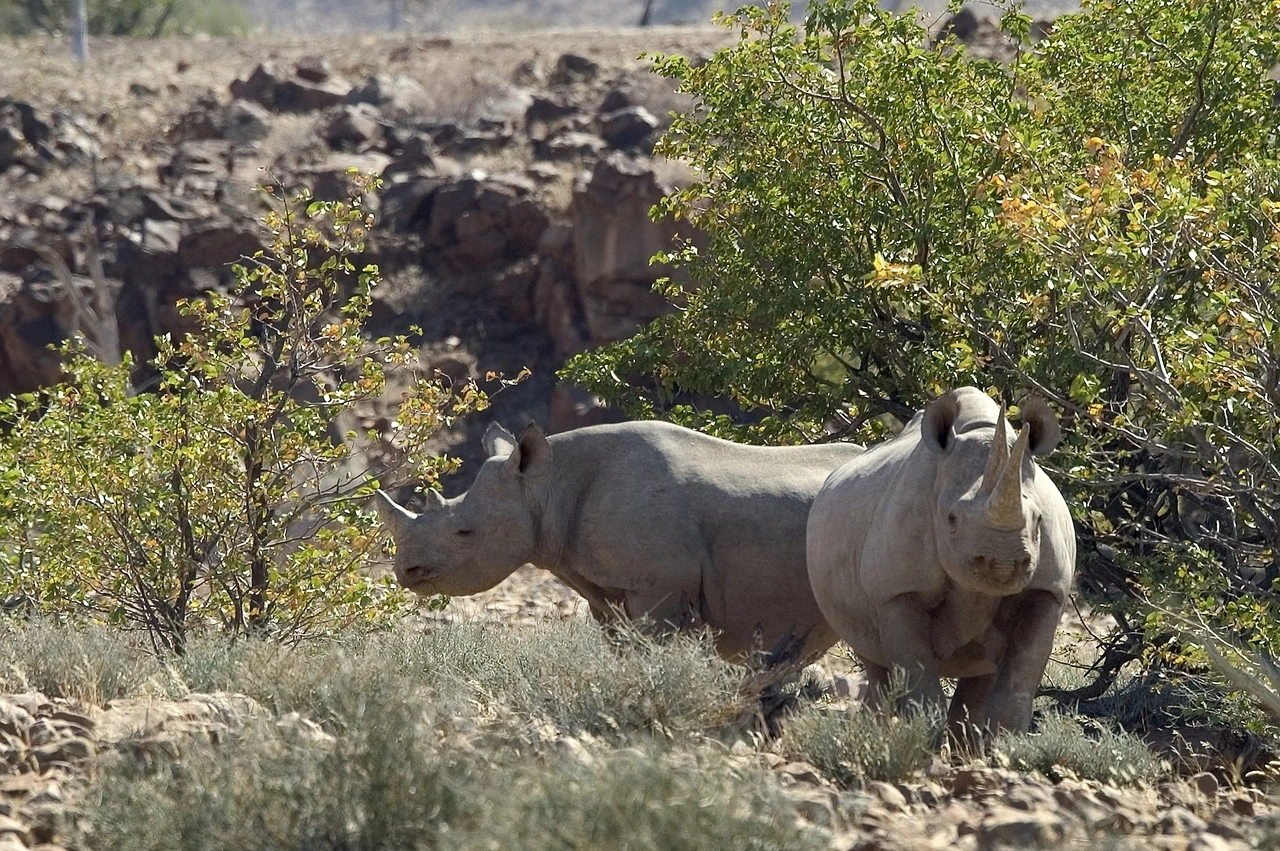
x=392, y=783
x=382, y=782
x=92, y=664
x=1097, y=752
x=570, y=673
x=859, y=744
x=644, y=798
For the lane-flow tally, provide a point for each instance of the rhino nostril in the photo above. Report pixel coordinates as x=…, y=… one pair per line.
x=414, y=572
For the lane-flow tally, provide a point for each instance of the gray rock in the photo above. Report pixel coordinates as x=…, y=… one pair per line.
x=574, y=68
x=1180, y=821
x=573, y=145
x=298, y=95
x=1004, y=826
x=353, y=127
x=244, y=121
x=628, y=127
x=314, y=69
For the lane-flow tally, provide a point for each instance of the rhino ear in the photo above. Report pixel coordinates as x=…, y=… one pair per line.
x=937, y=428
x=395, y=517
x=1043, y=422
x=532, y=457
x=498, y=441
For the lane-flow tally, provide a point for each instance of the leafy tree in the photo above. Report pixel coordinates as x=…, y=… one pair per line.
x=148, y=18
x=223, y=498
x=1095, y=220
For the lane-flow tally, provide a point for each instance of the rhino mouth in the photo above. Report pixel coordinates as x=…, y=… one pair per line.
x=415, y=577
x=996, y=579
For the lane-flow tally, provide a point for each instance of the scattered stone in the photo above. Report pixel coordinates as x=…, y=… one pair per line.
x=628, y=127
x=355, y=127
x=888, y=795
x=1206, y=783
x=1180, y=821
x=1010, y=827
x=573, y=68
x=315, y=69
x=11, y=842
x=963, y=25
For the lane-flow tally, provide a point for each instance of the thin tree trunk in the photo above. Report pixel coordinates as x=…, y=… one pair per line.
x=80, y=32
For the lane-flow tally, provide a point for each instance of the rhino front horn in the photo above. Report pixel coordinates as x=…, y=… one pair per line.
x=394, y=516
x=999, y=455
x=1004, y=506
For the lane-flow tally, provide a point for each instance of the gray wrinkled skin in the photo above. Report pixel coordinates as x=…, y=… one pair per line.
x=927, y=554
x=646, y=519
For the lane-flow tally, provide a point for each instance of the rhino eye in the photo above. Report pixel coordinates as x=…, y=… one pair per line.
x=951, y=518
x=466, y=532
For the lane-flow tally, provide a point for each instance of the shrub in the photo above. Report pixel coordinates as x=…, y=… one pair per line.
x=1096, y=221
x=1088, y=749
x=222, y=498
x=642, y=798
x=382, y=783
x=857, y=745
x=93, y=664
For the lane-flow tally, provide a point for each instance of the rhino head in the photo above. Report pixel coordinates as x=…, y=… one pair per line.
x=472, y=542
x=986, y=519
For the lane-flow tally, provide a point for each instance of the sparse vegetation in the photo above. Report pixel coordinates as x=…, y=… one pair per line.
x=1084, y=747
x=856, y=745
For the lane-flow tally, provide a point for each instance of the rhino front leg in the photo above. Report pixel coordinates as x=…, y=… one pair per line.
x=1033, y=620
x=667, y=609
x=906, y=641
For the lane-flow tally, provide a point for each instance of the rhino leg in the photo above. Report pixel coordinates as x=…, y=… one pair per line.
x=878, y=680
x=906, y=640
x=1034, y=619
x=968, y=711
x=668, y=609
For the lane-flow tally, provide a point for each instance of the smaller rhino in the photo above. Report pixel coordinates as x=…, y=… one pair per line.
x=947, y=553
x=646, y=519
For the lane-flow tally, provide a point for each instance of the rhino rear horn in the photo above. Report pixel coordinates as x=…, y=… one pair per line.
x=1004, y=506
x=394, y=516
x=999, y=454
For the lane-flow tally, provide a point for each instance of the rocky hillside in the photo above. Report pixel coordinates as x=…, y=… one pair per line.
x=512, y=225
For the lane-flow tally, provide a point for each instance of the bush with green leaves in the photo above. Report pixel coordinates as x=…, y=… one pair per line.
x=222, y=497
x=104, y=17
x=1096, y=220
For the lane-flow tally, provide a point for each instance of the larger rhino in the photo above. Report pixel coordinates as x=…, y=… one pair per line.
x=945, y=553
x=644, y=518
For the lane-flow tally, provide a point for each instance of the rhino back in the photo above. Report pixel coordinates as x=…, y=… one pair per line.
x=650, y=505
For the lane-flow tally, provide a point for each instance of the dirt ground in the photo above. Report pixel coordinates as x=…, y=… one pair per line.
x=134, y=88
